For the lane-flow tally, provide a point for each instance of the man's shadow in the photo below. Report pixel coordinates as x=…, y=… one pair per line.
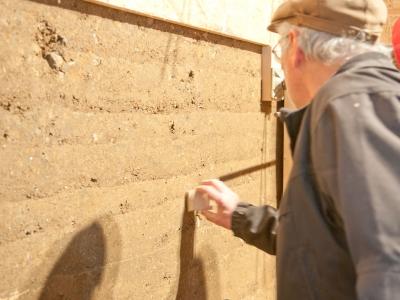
x=79, y=271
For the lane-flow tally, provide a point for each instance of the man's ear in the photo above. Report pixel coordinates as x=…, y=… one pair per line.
x=297, y=54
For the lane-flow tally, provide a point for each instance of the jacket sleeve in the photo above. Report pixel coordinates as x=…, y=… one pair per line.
x=356, y=153
x=256, y=226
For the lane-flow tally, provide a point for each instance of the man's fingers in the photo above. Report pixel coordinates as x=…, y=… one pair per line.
x=210, y=216
x=213, y=193
x=212, y=182
x=218, y=184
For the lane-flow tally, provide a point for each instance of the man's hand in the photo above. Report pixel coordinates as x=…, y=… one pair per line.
x=225, y=199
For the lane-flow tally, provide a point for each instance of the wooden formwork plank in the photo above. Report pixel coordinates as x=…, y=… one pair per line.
x=266, y=74
x=240, y=19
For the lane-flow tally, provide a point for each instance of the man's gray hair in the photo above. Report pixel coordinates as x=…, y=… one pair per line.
x=328, y=48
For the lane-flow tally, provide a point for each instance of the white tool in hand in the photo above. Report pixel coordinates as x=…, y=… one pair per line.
x=197, y=200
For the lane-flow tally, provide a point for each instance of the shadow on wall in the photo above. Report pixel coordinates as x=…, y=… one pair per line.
x=192, y=280
x=79, y=271
x=125, y=17
x=193, y=283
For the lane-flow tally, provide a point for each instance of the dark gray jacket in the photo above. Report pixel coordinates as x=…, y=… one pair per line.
x=338, y=234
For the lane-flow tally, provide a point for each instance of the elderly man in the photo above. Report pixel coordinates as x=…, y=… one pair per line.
x=336, y=234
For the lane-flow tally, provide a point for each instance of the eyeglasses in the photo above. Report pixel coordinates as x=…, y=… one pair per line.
x=277, y=50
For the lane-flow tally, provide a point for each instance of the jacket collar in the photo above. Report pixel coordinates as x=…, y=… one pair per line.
x=292, y=118
x=369, y=59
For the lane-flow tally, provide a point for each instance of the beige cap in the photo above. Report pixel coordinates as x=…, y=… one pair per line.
x=361, y=19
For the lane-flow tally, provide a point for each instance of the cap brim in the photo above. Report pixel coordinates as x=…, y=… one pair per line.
x=273, y=27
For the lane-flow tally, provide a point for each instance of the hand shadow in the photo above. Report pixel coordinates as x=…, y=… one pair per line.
x=192, y=281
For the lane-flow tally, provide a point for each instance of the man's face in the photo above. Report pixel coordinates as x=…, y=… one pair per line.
x=293, y=64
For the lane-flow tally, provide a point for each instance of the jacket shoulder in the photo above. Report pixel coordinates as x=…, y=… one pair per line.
x=367, y=82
